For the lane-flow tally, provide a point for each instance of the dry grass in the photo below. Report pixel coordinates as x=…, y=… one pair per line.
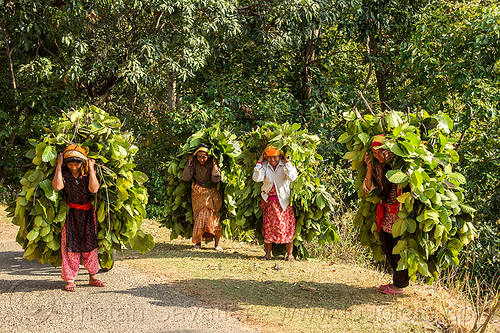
x=301, y=296
x=480, y=303
x=8, y=231
x=3, y=215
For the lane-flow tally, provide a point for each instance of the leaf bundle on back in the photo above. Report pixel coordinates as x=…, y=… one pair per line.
x=40, y=211
x=434, y=223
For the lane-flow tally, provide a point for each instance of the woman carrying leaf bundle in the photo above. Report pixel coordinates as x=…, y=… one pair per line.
x=276, y=173
x=387, y=210
x=76, y=175
x=204, y=173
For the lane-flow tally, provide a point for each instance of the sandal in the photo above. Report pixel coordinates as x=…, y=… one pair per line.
x=389, y=291
x=70, y=286
x=267, y=258
x=97, y=283
x=290, y=258
x=382, y=286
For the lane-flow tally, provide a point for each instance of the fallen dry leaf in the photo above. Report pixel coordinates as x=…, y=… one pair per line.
x=304, y=287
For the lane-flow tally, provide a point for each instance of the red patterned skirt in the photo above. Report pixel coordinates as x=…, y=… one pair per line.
x=278, y=224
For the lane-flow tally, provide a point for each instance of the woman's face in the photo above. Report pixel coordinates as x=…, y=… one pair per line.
x=202, y=157
x=379, y=155
x=74, y=167
x=273, y=160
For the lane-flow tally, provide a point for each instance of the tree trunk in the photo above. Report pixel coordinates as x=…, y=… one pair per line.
x=9, y=51
x=308, y=58
x=381, y=75
x=172, y=92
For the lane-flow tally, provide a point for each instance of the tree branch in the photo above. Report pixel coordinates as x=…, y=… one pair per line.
x=462, y=137
x=370, y=69
x=366, y=103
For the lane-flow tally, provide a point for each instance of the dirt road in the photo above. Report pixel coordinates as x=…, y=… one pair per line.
x=32, y=299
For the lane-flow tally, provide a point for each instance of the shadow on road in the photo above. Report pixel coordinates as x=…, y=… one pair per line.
x=327, y=296
x=12, y=263
x=165, y=250
x=291, y=295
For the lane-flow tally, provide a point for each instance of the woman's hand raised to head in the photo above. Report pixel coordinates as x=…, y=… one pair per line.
x=214, y=164
x=60, y=160
x=190, y=160
x=368, y=159
x=261, y=158
x=286, y=158
x=91, y=164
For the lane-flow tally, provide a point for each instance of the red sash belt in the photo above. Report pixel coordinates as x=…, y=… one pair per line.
x=85, y=206
x=385, y=208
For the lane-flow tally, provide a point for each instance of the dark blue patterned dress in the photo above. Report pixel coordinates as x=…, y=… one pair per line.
x=81, y=235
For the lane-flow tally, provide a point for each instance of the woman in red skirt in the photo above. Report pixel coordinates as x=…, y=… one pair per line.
x=276, y=172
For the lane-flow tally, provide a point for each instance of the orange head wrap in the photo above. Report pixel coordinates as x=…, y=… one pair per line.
x=78, y=152
x=272, y=151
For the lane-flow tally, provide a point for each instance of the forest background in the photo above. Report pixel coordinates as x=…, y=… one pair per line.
x=169, y=68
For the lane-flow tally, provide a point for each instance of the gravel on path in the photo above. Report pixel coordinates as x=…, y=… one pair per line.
x=33, y=299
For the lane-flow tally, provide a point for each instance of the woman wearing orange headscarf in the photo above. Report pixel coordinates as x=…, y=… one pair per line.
x=276, y=172
x=387, y=210
x=76, y=175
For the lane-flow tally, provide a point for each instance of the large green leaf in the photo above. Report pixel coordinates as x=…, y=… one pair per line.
x=396, y=176
x=33, y=234
x=140, y=177
x=49, y=154
x=393, y=119
x=400, y=246
x=49, y=191
x=457, y=178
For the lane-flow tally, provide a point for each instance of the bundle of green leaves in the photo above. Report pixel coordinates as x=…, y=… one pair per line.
x=434, y=223
x=310, y=198
x=178, y=211
x=40, y=211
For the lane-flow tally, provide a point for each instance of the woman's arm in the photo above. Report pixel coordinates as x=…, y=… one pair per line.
x=368, y=181
x=259, y=171
x=93, y=182
x=290, y=170
x=188, y=172
x=57, y=181
x=215, y=176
